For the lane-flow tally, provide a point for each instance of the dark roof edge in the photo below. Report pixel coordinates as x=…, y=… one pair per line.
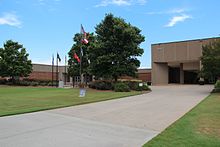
x=186, y=40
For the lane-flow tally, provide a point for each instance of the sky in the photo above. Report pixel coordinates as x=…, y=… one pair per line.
x=46, y=27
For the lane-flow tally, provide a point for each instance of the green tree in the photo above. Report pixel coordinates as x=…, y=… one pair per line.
x=116, y=50
x=14, y=61
x=211, y=61
x=74, y=65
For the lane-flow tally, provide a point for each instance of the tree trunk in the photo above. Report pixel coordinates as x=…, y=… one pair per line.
x=116, y=78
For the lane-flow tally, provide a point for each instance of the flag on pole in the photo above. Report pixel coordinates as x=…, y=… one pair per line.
x=76, y=57
x=84, y=39
x=52, y=60
x=52, y=68
x=58, y=57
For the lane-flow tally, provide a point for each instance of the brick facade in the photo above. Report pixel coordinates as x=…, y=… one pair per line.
x=36, y=75
x=145, y=77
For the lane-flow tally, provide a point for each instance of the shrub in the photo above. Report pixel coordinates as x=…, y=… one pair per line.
x=50, y=83
x=134, y=85
x=92, y=85
x=109, y=85
x=217, y=87
x=121, y=87
x=101, y=85
x=23, y=83
x=217, y=84
x=34, y=83
x=40, y=82
x=146, y=87
x=139, y=88
x=27, y=82
x=3, y=81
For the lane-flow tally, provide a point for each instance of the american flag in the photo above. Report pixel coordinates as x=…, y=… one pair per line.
x=84, y=39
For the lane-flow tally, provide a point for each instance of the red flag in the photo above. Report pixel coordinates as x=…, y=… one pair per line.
x=84, y=40
x=76, y=57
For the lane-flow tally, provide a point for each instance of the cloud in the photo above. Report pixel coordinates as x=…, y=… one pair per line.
x=113, y=2
x=10, y=19
x=142, y=2
x=177, y=19
x=105, y=3
x=47, y=2
x=41, y=2
x=178, y=15
x=172, y=11
x=177, y=10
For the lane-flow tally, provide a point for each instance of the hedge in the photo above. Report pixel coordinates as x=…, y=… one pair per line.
x=110, y=85
x=27, y=82
x=217, y=87
x=121, y=87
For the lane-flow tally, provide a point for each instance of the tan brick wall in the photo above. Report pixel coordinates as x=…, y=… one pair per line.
x=183, y=53
x=42, y=75
x=145, y=77
x=179, y=51
x=47, y=68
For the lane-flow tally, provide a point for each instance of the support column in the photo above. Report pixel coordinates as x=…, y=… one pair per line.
x=181, y=74
x=159, y=73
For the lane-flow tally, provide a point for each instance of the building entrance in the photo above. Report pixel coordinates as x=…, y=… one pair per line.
x=174, y=75
x=190, y=77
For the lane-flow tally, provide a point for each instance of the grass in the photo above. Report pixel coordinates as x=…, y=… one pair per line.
x=198, y=128
x=17, y=100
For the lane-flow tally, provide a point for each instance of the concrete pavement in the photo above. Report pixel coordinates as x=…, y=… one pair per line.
x=126, y=122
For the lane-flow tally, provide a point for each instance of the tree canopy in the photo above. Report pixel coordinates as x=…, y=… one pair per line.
x=117, y=49
x=74, y=65
x=112, y=52
x=14, y=60
x=211, y=60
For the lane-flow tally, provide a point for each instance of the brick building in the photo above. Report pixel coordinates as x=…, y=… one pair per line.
x=44, y=72
x=144, y=74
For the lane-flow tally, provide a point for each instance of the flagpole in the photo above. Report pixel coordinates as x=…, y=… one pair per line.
x=52, y=68
x=80, y=67
x=57, y=72
x=83, y=40
x=65, y=72
x=80, y=72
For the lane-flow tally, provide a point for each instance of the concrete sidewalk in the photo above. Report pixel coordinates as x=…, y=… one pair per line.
x=126, y=122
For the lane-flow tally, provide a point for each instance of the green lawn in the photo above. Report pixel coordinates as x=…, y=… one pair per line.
x=15, y=100
x=198, y=128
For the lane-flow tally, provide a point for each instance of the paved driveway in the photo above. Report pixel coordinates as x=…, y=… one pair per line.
x=127, y=122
